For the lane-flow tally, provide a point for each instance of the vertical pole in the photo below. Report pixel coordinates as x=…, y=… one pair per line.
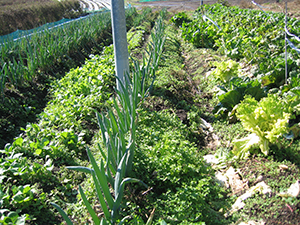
x=286, y=65
x=120, y=39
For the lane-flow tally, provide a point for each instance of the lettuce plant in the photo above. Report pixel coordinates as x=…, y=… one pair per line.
x=179, y=18
x=267, y=120
x=226, y=70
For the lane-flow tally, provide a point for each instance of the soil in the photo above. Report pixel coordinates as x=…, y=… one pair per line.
x=191, y=5
x=286, y=212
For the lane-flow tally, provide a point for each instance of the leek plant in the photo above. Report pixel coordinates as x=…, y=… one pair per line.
x=40, y=51
x=118, y=127
x=22, y=59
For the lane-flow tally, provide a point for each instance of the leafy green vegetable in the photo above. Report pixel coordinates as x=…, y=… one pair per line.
x=179, y=18
x=226, y=70
x=229, y=99
x=267, y=119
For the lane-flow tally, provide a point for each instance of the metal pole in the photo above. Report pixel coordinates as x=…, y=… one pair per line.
x=119, y=39
x=286, y=64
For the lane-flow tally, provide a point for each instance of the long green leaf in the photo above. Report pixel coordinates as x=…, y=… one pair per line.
x=122, y=143
x=113, y=122
x=101, y=125
x=118, y=180
x=80, y=168
x=89, y=207
x=100, y=173
x=121, y=116
x=120, y=174
x=101, y=151
x=112, y=152
x=100, y=197
x=62, y=213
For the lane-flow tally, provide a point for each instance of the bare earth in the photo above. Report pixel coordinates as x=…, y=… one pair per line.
x=191, y=5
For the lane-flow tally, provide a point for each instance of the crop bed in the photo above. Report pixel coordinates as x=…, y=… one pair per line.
x=218, y=89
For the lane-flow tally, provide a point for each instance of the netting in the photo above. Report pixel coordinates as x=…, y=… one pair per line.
x=20, y=33
x=48, y=26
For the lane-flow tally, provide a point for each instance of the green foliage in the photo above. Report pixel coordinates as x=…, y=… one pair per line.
x=118, y=128
x=170, y=154
x=245, y=34
x=200, y=33
x=233, y=93
x=180, y=18
x=267, y=120
x=226, y=70
x=183, y=189
x=59, y=138
x=10, y=217
x=29, y=65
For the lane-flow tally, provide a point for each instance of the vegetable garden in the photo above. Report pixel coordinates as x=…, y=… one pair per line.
x=215, y=81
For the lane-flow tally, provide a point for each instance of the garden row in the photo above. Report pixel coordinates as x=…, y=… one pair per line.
x=33, y=166
x=270, y=91
x=28, y=64
x=256, y=109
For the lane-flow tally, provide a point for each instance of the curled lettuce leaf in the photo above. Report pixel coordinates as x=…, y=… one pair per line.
x=226, y=70
x=267, y=120
x=242, y=147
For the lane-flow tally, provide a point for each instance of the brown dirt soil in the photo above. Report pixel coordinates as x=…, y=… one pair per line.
x=255, y=170
x=293, y=6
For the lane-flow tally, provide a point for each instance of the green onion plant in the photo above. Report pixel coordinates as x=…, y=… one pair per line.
x=118, y=129
x=22, y=59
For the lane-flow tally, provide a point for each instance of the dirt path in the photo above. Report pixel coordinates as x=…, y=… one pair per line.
x=171, y=5
x=191, y=5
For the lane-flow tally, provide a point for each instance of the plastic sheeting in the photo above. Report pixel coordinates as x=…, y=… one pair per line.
x=27, y=33
x=20, y=33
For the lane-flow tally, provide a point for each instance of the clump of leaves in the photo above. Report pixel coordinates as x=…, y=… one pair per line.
x=200, y=32
x=226, y=70
x=183, y=189
x=231, y=94
x=267, y=120
x=179, y=18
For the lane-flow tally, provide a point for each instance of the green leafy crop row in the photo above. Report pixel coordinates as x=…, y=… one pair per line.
x=244, y=34
x=33, y=165
x=183, y=189
x=265, y=100
x=30, y=64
